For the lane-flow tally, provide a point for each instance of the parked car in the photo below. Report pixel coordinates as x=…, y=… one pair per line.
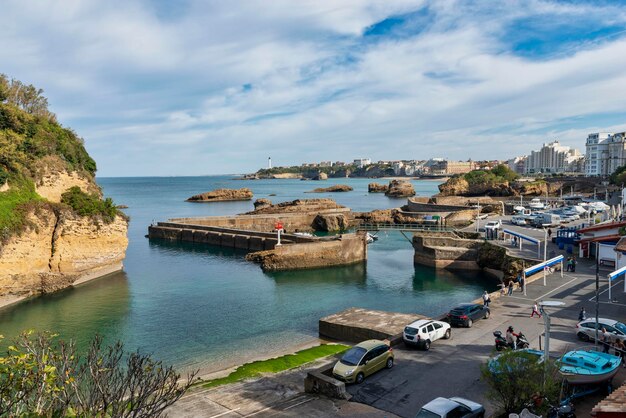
x=423, y=332
x=586, y=330
x=362, y=360
x=466, y=313
x=451, y=408
x=519, y=220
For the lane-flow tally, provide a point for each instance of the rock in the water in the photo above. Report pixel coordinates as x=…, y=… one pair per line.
x=376, y=188
x=400, y=188
x=299, y=205
x=221, y=195
x=333, y=189
x=262, y=203
x=330, y=222
x=321, y=176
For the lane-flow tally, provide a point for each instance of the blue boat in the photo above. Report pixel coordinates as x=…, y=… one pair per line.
x=581, y=367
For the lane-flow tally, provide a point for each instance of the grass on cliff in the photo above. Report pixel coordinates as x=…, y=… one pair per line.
x=86, y=204
x=275, y=365
x=13, y=206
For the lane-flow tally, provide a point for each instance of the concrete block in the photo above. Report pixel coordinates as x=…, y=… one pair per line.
x=200, y=236
x=228, y=240
x=270, y=243
x=256, y=243
x=214, y=238
x=321, y=381
x=187, y=235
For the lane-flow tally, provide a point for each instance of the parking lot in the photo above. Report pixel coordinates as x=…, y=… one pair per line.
x=452, y=367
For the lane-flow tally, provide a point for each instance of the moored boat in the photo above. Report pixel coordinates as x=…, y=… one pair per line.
x=536, y=204
x=581, y=367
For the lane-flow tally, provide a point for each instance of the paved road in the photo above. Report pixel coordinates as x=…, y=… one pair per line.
x=452, y=367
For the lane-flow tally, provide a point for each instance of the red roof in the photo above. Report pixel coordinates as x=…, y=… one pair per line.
x=602, y=226
x=602, y=238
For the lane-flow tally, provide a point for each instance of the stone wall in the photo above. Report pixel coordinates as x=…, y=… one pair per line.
x=346, y=249
x=446, y=250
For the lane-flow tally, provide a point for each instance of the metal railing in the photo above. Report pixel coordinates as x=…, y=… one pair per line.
x=403, y=227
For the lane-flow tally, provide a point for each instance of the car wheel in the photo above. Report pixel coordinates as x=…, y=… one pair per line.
x=426, y=345
x=446, y=336
x=359, y=378
x=487, y=313
x=470, y=323
x=389, y=364
x=583, y=337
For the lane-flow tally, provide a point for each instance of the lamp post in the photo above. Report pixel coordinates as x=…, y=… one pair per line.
x=546, y=323
x=597, y=293
x=545, y=254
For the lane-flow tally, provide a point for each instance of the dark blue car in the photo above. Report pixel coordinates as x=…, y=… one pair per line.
x=465, y=314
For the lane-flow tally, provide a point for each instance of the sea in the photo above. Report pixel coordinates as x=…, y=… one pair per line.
x=200, y=307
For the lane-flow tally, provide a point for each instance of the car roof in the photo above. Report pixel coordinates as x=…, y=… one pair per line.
x=603, y=320
x=369, y=344
x=440, y=406
x=422, y=322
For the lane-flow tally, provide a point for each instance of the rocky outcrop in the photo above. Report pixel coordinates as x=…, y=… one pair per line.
x=331, y=222
x=455, y=186
x=5, y=187
x=377, y=188
x=458, y=186
x=400, y=188
x=384, y=216
x=262, y=203
x=495, y=258
x=299, y=206
x=52, y=179
x=320, y=176
x=222, y=195
x=333, y=189
x=60, y=249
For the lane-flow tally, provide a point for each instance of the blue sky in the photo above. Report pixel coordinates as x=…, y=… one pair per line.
x=206, y=87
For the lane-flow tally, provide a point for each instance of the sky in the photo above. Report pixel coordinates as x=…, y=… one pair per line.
x=195, y=87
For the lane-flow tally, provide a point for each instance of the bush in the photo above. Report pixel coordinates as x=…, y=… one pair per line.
x=40, y=376
x=89, y=204
x=14, y=204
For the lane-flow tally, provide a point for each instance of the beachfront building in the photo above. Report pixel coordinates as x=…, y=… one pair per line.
x=617, y=151
x=362, y=162
x=554, y=158
x=397, y=167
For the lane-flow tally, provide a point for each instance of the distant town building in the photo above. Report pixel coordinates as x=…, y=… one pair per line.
x=597, y=154
x=554, y=158
x=397, y=167
x=339, y=164
x=410, y=169
x=518, y=164
x=617, y=151
x=362, y=162
x=326, y=164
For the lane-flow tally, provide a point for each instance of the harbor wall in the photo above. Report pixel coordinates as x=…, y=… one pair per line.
x=345, y=249
x=446, y=250
x=292, y=222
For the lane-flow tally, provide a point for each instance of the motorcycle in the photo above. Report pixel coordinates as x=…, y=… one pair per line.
x=564, y=410
x=501, y=344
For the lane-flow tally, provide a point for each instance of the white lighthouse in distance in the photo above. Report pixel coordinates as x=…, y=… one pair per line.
x=269, y=162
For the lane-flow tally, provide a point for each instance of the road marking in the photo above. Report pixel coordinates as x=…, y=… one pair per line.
x=606, y=290
x=299, y=403
x=225, y=413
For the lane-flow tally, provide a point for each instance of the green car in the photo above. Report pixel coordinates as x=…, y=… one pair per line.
x=362, y=360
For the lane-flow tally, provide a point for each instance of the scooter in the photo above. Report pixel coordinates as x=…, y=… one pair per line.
x=501, y=344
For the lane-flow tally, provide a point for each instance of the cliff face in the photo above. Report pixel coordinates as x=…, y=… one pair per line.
x=60, y=249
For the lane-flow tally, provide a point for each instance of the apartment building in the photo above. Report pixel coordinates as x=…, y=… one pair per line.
x=554, y=158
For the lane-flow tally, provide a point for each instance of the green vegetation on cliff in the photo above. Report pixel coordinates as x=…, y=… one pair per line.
x=498, y=174
x=33, y=142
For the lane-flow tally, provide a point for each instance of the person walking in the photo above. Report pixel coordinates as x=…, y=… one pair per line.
x=549, y=233
x=573, y=264
x=486, y=299
x=535, y=310
x=510, y=288
x=582, y=315
x=605, y=340
x=522, y=283
x=569, y=264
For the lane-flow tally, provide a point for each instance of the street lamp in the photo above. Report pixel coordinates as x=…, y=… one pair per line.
x=545, y=253
x=546, y=323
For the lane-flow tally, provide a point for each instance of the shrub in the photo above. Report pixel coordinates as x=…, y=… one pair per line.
x=86, y=204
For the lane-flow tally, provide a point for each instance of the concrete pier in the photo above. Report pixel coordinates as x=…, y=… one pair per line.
x=358, y=324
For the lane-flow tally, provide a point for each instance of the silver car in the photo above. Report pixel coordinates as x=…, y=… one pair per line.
x=586, y=330
x=453, y=407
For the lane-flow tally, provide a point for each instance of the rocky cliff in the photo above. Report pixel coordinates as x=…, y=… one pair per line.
x=400, y=188
x=56, y=230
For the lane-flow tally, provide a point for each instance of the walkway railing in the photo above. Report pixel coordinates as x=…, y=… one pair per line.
x=403, y=227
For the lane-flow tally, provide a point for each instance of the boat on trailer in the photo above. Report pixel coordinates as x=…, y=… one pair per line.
x=580, y=367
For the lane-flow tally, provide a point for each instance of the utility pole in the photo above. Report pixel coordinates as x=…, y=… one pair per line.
x=597, y=293
x=545, y=253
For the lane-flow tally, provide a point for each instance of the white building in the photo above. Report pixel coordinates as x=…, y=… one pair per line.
x=397, y=167
x=617, y=151
x=362, y=162
x=597, y=156
x=554, y=158
x=518, y=164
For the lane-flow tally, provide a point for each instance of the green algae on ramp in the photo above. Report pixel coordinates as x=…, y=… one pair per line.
x=278, y=364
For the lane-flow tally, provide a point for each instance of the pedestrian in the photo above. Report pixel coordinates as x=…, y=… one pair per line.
x=620, y=351
x=535, y=310
x=486, y=299
x=573, y=264
x=605, y=340
x=569, y=264
x=502, y=287
x=582, y=315
x=522, y=283
x=510, y=287
x=549, y=233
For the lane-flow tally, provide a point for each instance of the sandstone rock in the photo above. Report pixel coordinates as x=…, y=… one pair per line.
x=458, y=186
x=5, y=187
x=321, y=176
x=262, y=203
x=384, y=216
x=455, y=186
x=299, y=205
x=400, y=188
x=330, y=222
x=221, y=195
x=376, y=188
x=333, y=189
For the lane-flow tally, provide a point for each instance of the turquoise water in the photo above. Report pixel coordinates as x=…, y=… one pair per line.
x=200, y=306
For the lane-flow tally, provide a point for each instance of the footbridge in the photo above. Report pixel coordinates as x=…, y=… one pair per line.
x=403, y=228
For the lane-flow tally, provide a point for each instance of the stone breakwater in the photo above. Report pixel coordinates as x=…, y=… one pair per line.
x=222, y=195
